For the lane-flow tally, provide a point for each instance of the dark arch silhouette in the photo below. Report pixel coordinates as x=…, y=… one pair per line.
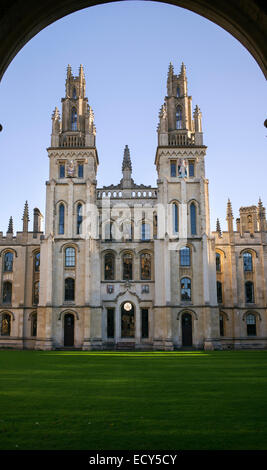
x=21, y=20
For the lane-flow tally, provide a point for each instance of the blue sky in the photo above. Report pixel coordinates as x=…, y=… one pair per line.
x=126, y=48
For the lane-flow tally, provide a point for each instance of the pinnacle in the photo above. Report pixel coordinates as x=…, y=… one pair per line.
x=218, y=227
x=126, y=163
x=10, y=225
x=229, y=209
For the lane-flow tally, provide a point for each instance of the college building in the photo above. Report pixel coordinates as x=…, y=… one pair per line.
x=130, y=266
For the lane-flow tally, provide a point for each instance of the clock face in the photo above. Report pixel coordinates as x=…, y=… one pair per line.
x=127, y=306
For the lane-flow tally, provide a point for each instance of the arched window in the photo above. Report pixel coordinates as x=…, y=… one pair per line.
x=69, y=289
x=5, y=324
x=127, y=266
x=145, y=231
x=145, y=262
x=36, y=288
x=74, y=94
x=178, y=117
x=8, y=262
x=193, y=219
x=34, y=324
x=61, y=218
x=70, y=257
x=178, y=92
x=175, y=222
x=249, y=292
x=247, y=261
x=7, y=292
x=251, y=325
x=221, y=324
x=79, y=219
x=185, y=288
x=109, y=265
x=218, y=262
x=74, y=119
x=219, y=292
x=37, y=262
x=185, y=256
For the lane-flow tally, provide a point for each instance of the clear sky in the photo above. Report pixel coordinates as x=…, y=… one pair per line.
x=126, y=48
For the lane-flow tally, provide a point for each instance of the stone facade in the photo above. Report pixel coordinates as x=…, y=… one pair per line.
x=132, y=266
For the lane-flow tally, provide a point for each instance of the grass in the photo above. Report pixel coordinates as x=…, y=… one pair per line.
x=119, y=400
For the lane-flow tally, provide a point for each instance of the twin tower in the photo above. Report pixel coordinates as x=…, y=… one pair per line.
x=127, y=265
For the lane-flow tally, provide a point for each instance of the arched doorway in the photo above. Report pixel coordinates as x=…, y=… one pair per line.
x=68, y=329
x=127, y=320
x=187, y=329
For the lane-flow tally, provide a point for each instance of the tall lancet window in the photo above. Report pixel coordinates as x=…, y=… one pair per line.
x=74, y=94
x=193, y=219
x=79, y=219
x=61, y=219
x=74, y=119
x=178, y=117
x=178, y=92
x=175, y=217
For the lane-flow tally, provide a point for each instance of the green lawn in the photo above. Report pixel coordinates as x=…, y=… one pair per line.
x=121, y=400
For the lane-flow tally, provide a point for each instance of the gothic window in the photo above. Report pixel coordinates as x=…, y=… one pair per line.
x=8, y=262
x=178, y=117
x=62, y=170
x=218, y=262
x=219, y=292
x=79, y=219
x=37, y=262
x=191, y=167
x=247, y=261
x=74, y=94
x=145, y=261
x=221, y=324
x=251, y=324
x=145, y=231
x=193, y=219
x=109, y=264
x=36, y=288
x=70, y=255
x=5, y=324
x=61, y=219
x=69, y=289
x=110, y=323
x=185, y=256
x=178, y=92
x=249, y=292
x=175, y=217
x=185, y=288
x=80, y=170
x=74, y=119
x=127, y=266
x=173, y=167
x=34, y=324
x=7, y=292
x=144, y=312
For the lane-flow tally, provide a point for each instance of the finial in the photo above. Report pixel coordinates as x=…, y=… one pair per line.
x=126, y=163
x=10, y=225
x=218, y=228
x=81, y=72
x=56, y=114
x=68, y=70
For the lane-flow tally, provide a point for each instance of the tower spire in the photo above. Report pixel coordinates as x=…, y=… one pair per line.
x=25, y=217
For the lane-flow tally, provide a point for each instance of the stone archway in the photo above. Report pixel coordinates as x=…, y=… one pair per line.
x=22, y=20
